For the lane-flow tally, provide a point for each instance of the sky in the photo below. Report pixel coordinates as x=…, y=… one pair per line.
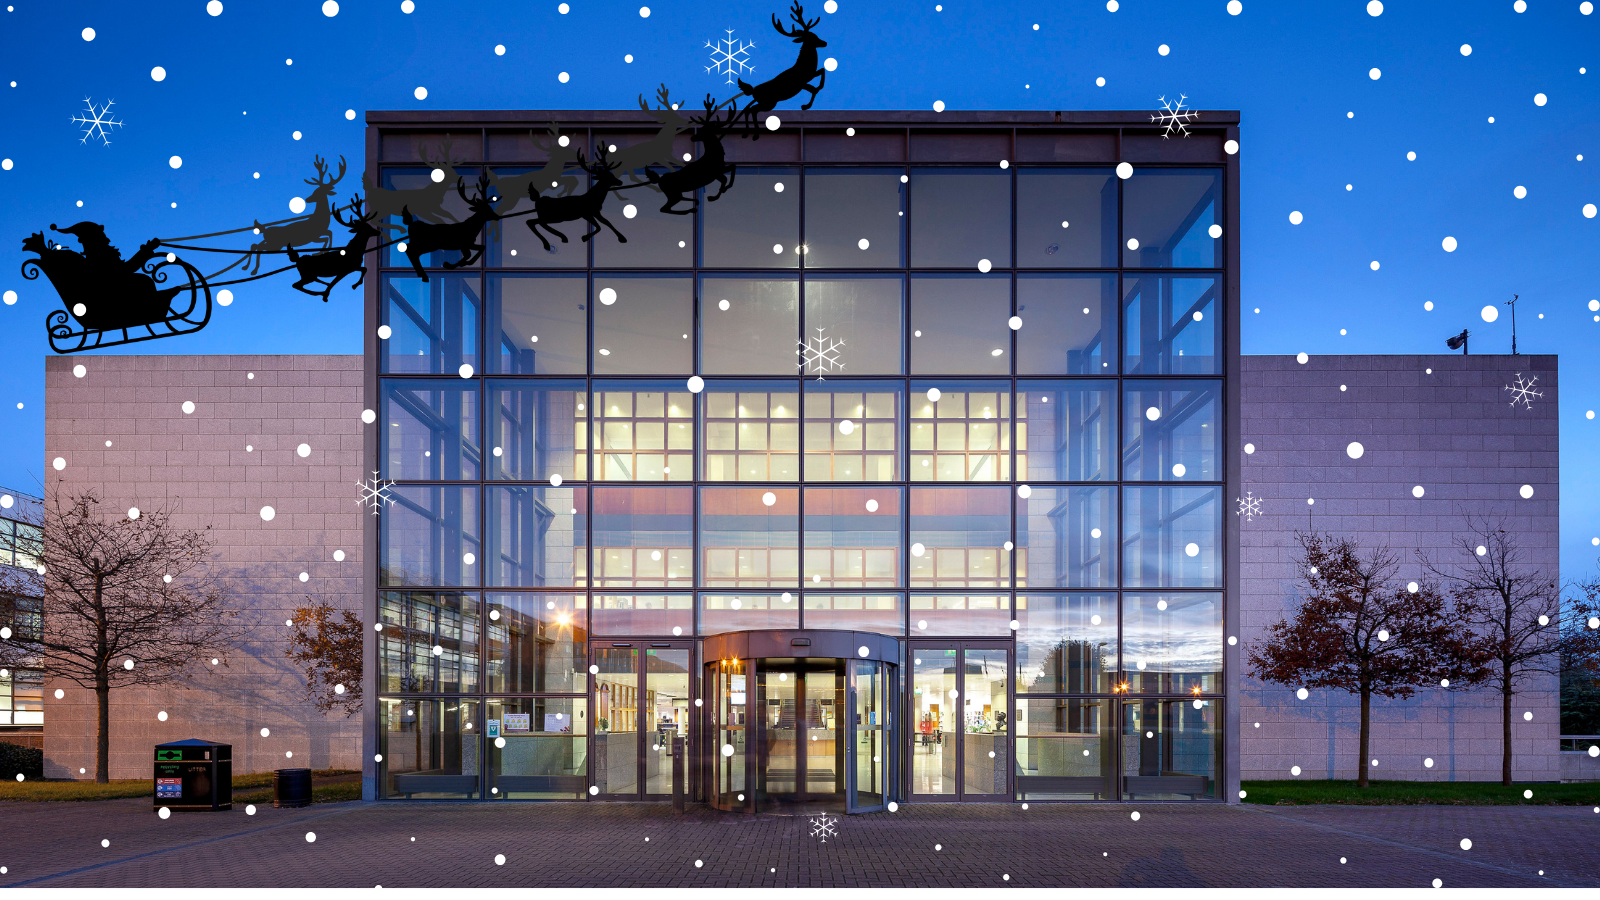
x=1492, y=97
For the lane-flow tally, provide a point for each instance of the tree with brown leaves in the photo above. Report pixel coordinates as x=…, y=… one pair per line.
x=1513, y=609
x=1358, y=630
x=327, y=643
x=125, y=599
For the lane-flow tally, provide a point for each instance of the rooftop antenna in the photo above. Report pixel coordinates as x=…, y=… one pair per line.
x=1459, y=340
x=1513, y=304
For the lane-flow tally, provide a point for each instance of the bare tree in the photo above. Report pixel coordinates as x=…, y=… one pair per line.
x=327, y=643
x=1358, y=630
x=1513, y=609
x=124, y=599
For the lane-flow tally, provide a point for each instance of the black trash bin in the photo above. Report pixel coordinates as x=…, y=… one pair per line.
x=291, y=788
x=194, y=774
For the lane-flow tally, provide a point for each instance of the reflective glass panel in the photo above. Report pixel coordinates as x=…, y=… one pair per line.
x=752, y=431
x=536, y=535
x=643, y=431
x=958, y=325
x=748, y=326
x=1169, y=213
x=854, y=218
x=960, y=215
x=852, y=539
x=1170, y=749
x=655, y=239
x=616, y=721
x=642, y=614
x=1066, y=218
x=429, y=430
x=545, y=752
x=935, y=719
x=513, y=243
x=1066, y=643
x=756, y=224
x=1064, y=749
x=429, y=535
x=1069, y=538
x=433, y=324
x=987, y=713
x=964, y=435
x=536, y=430
x=431, y=749
x=879, y=613
x=538, y=324
x=416, y=622
x=1172, y=537
x=643, y=537
x=1172, y=643
x=1067, y=431
x=646, y=328
x=960, y=614
x=1171, y=431
x=537, y=644
x=1069, y=325
x=1171, y=326
x=416, y=191
x=961, y=533
x=851, y=430
x=750, y=537
x=744, y=612
x=667, y=682
x=854, y=326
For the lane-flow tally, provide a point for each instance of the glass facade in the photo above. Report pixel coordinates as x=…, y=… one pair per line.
x=873, y=442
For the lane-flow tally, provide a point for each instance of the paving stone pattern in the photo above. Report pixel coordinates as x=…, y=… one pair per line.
x=361, y=844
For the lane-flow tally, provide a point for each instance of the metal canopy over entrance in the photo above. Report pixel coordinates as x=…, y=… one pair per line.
x=800, y=721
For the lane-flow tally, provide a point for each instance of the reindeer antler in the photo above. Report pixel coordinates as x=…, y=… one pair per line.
x=798, y=14
x=322, y=172
x=663, y=96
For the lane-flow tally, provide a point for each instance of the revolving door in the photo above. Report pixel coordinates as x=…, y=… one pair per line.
x=801, y=734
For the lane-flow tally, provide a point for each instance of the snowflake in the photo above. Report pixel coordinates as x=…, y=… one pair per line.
x=1523, y=392
x=98, y=120
x=1249, y=506
x=822, y=826
x=375, y=493
x=730, y=57
x=1174, y=118
x=819, y=354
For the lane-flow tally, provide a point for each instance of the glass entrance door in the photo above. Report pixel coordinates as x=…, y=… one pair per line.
x=642, y=697
x=870, y=757
x=800, y=722
x=959, y=716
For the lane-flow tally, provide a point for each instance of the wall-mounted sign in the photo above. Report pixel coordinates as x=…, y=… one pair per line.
x=516, y=722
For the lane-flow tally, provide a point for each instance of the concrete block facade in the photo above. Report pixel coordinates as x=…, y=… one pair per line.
x=218, y=466
x=1445, y=423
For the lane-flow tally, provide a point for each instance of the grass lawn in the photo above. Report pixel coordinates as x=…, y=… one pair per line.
x=256, y=788
x=1420, y=793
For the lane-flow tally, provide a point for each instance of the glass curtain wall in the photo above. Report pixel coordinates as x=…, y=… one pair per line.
x=932, y=401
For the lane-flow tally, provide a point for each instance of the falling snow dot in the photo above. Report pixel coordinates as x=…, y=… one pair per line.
x=1374, y=74
x=267, y=513
x=88, y=34
x=1588, y=210
x=769, y=498
x=297, y=205
x=1100, y=82
x=1235, y=7
x=1191, y=549
x=1374, y=8
x=1449, y=244
x=1295, y=218
x=421, y=93
x=773, y=124
x=188, y=407
x=158, y=74
x=984, y=265
x=330, y=8
x=58, y=464
x=938, y=106
x=1163, y=49
x=563, y=78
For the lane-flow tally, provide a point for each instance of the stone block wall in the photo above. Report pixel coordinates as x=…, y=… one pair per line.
x=1445, y=423
x=218, y=466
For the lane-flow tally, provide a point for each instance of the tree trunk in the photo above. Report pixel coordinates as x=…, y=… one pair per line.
x=102, y=736
x=1505, y=733
x=1366, y=736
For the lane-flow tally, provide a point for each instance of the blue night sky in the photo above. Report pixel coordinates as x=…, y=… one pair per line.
x=229, y=106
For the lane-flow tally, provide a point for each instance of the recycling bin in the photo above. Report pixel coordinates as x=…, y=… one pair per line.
x=194, y=774
x=291, y=788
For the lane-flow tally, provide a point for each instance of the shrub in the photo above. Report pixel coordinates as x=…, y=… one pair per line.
x=16, y=759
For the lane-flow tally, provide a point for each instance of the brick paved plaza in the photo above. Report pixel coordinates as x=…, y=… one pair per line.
x=364, y=844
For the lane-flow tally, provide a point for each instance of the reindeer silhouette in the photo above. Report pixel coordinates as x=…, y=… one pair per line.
x=314, y=227
x=426, y=202
x=427, y=237
x=766, y=96
x=658, y=150
x=586, y=206
x=711, y=166
x=336, y=264
x=513, y=188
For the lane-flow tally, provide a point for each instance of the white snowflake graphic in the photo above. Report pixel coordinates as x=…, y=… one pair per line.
x=822, y=826
x=96, y=121
x=1173, y=117
x=1249, y=506
x=730, y=57
x=819, y=354
x=375, y=493
x=1523, y=392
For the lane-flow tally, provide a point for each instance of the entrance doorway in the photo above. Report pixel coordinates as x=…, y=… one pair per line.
x=959, y=717
x=800, y=734
x=642, y=700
